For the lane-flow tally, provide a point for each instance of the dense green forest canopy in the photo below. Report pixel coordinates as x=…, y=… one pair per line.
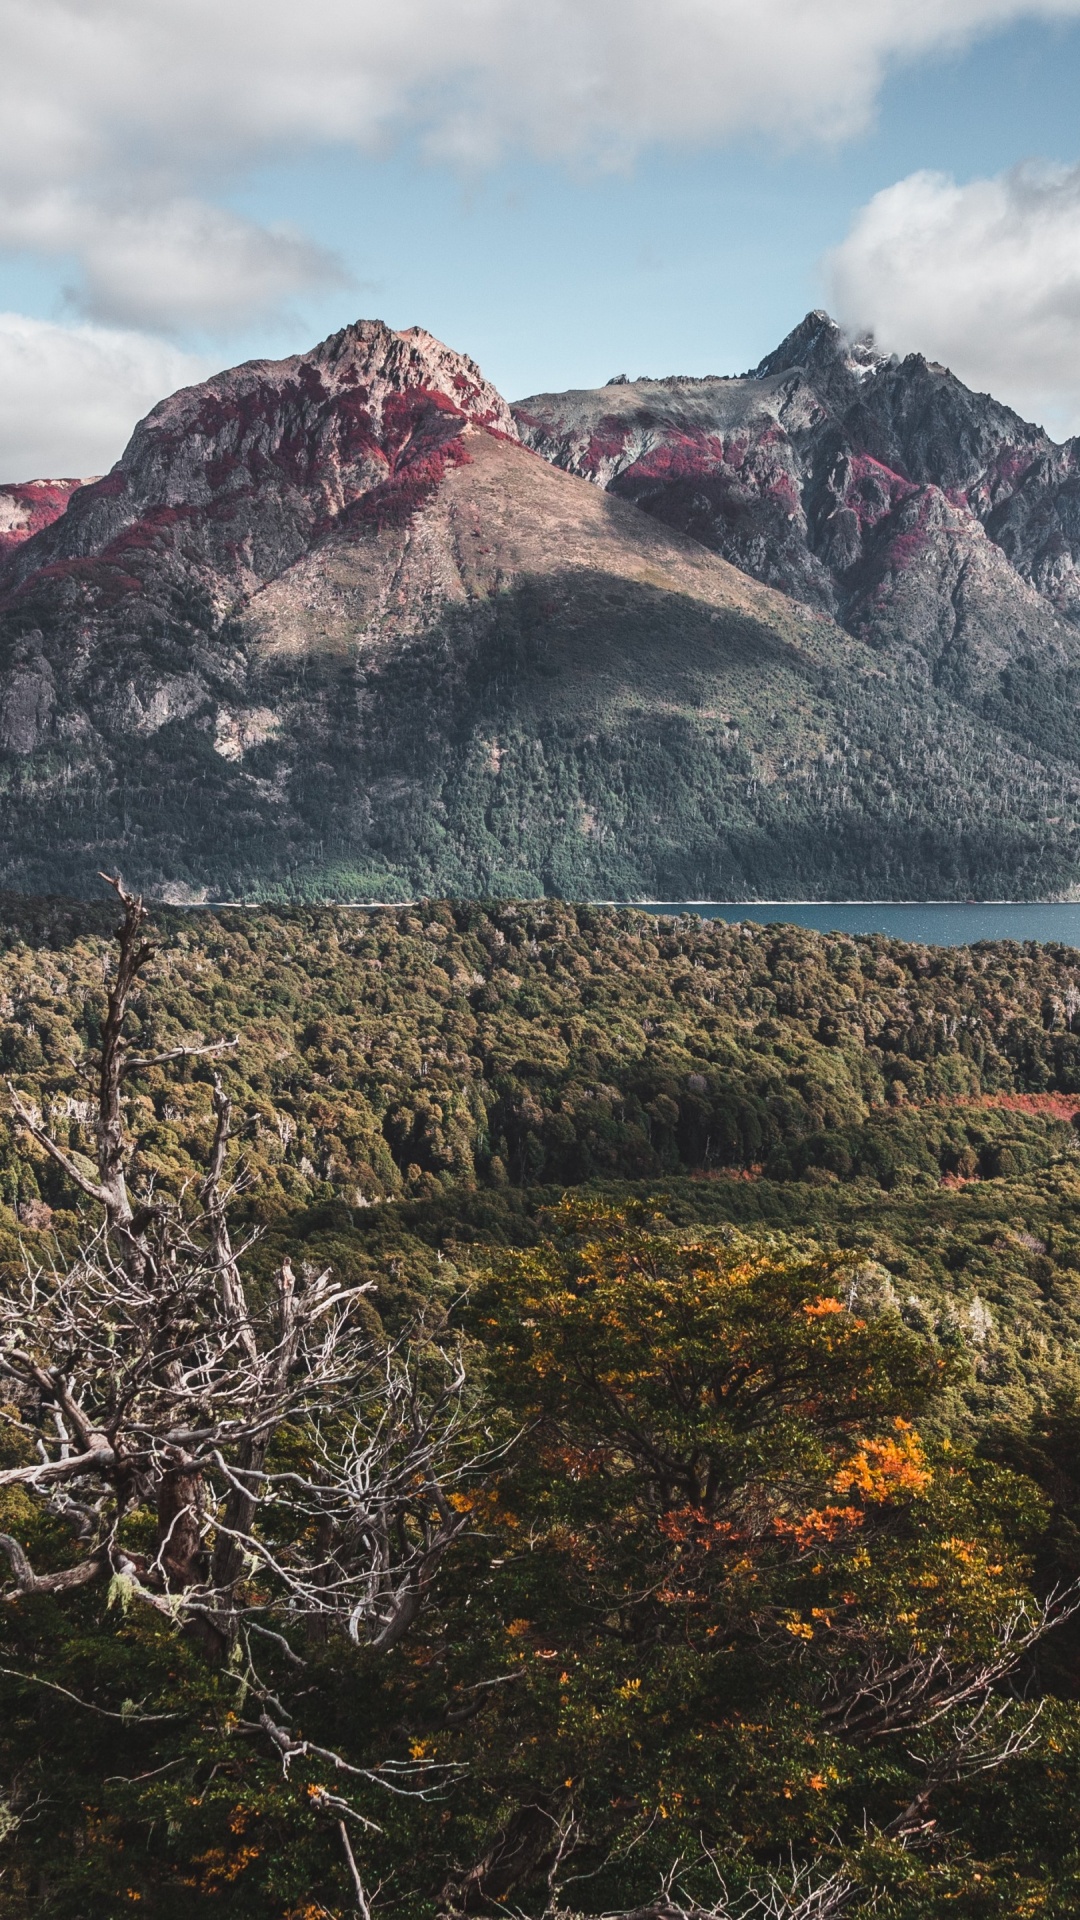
x=764, y=1251
x=446, y=1046
x=422, y=1079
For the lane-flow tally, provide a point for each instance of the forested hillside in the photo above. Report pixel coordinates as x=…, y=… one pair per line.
x=707, y=1301
x=445, y=1070
x=415, y=1050
x=330, y=631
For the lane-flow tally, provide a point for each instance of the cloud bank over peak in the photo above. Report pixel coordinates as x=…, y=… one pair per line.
x=173, y=265
x=125, y=127
x=983, y=276
x=121, y=124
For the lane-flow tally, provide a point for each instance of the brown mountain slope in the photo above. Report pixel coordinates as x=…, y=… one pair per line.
x=500, y=517
x=329, y=629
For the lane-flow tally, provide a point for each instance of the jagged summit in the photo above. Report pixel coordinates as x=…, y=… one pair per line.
x=238, y=475
x=366, y=362
x=916, y=511
x=330, y=626
x=816, y=336
x=819, y=344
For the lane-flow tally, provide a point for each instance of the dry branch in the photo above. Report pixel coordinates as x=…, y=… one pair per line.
x=144, y=1377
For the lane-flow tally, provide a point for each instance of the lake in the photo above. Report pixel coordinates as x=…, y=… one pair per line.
x=930, y=923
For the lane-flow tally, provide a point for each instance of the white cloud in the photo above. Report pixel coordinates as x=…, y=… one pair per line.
x=69, y=396
x=116, y=116
x=172, y=265
x=984, y=277
x=125, y=124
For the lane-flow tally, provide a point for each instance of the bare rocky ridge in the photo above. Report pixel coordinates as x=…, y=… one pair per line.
x=919, y=513
x=330, y=629
x=233, y=480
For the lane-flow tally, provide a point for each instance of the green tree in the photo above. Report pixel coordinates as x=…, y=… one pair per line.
x=752, y=1613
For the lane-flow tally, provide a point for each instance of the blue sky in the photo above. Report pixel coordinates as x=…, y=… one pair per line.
x=554, y=276
x=558, y=233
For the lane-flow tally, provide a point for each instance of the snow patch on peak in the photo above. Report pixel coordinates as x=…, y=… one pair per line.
x=817, y=342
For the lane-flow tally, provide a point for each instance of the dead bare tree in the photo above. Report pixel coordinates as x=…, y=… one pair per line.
x=956, y=1719
x=804, y=1892
x=144, y=1375
x=890, y=1692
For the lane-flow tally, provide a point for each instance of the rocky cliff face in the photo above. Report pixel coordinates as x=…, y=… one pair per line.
x=330, y=629
x=29, y=505
x=922, y=515
x=231, y=481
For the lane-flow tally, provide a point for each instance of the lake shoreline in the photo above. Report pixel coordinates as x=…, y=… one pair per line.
x=929, y=923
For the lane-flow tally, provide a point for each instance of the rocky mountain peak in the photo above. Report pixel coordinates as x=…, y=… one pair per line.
x=883, y=490
x=368, y=354
x=819, y=345
x=364, y=365
x=329, y=626
x=241, y=474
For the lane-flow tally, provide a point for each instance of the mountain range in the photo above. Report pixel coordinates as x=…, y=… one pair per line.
x=347, y=625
